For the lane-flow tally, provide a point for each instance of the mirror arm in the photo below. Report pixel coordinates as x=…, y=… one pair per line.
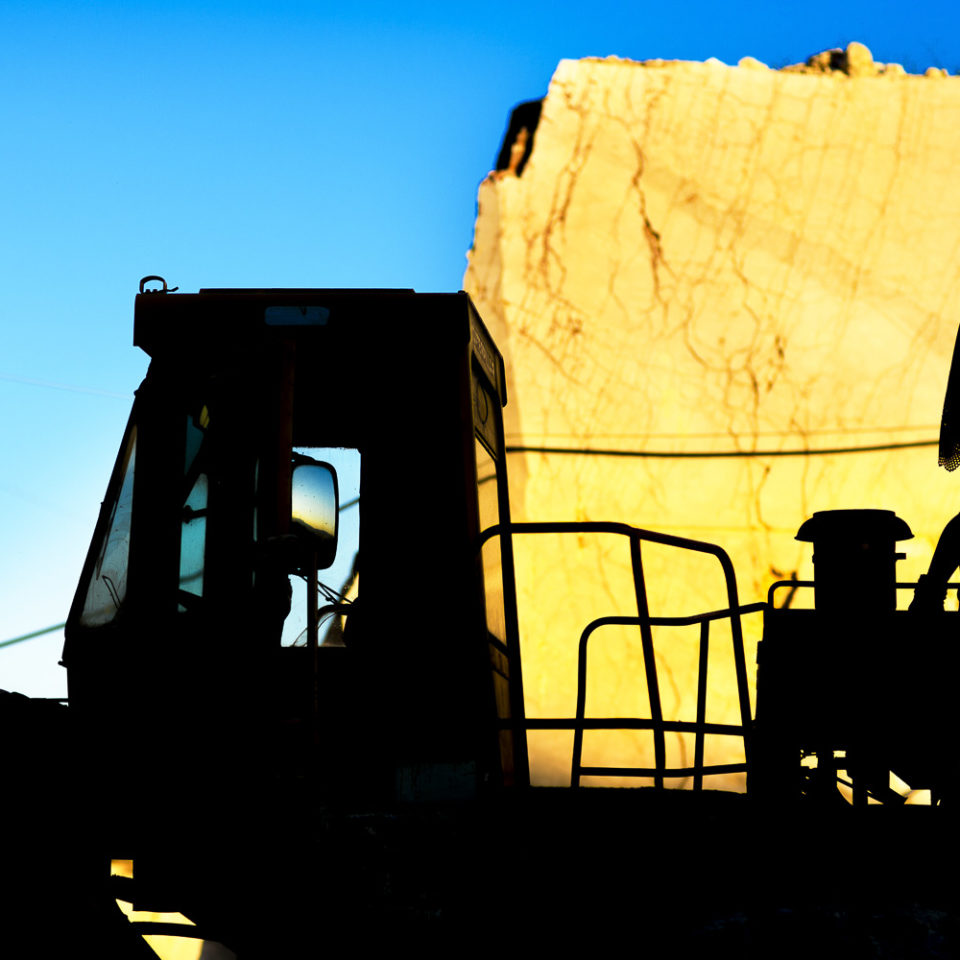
x=313, y=638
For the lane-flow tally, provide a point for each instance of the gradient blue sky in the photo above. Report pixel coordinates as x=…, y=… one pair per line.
x=290, y=144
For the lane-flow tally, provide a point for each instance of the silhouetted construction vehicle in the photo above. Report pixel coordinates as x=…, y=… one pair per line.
x=288, y=765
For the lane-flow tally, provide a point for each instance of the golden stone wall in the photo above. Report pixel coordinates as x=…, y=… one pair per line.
x=700, y=258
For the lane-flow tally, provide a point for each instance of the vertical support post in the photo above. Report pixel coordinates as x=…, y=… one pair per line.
x=649, y=663
x=701, y=704
x=313, y=640
x=739, y=658
x=521, y=756
x=581, y=711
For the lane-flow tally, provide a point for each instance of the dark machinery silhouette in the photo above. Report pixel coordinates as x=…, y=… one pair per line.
x=362, y=772
x=851, y=690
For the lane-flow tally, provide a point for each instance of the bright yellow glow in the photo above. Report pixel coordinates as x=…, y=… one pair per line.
x=898, y=785
x=707, y=259
x=165, y=947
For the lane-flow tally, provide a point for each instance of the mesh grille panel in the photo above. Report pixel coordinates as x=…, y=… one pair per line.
x=949, y=452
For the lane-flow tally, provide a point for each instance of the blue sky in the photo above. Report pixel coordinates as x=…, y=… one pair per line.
x=295, y=144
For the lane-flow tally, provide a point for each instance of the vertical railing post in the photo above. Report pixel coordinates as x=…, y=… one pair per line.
x=649, y=663
x=739, y=658
x=701, y=704
x=581, y=709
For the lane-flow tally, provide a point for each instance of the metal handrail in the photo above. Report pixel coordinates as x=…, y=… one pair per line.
x=700, y=728
x=785, y=583
x=636, y=536
x=778, y=584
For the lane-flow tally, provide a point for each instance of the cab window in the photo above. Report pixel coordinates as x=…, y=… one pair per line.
x=193, y=524
x=108, y=582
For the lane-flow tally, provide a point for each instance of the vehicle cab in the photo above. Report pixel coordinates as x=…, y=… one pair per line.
x=221, y=620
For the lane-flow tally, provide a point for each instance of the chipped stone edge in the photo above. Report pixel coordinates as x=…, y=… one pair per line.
x=855, y=61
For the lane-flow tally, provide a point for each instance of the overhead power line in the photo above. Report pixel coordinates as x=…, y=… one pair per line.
x=717, y=454
x=30, y=636
x=51, y=385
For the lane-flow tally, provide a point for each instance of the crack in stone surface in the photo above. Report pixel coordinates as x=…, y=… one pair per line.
x=720, y=255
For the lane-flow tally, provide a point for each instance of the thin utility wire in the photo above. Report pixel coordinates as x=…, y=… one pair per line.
x=30, y=636
x=50, y=384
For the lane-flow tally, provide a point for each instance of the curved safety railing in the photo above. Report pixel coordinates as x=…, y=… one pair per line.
x=660, y=727
x=655, y=722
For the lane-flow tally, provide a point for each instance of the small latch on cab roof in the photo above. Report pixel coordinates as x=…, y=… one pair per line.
x=145, y=280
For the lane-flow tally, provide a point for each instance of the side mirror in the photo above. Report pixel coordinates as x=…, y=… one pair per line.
x=315, y=513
